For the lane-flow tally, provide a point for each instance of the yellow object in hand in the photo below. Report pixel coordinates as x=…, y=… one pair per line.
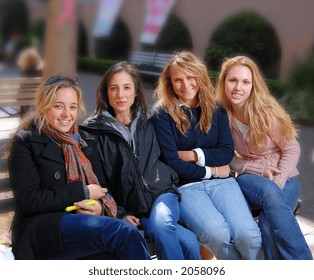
x=72, y=208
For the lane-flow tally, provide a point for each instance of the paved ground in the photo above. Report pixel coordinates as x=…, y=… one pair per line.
x=88, y=83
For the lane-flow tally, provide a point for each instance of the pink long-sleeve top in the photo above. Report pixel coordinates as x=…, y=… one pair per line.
x=282, y=154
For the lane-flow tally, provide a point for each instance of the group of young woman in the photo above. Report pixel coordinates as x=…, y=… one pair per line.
x=167, y=172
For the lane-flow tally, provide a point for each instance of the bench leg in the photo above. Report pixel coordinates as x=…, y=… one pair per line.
x=206, y=254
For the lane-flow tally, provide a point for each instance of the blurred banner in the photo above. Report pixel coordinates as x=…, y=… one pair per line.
x=67, y=12
x=107, y=13
x=157, y=12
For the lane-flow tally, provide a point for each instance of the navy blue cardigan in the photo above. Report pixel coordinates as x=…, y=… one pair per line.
x=217, y=145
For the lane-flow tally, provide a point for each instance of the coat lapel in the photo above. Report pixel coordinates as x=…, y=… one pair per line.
x=53, y=152
x=49, y=150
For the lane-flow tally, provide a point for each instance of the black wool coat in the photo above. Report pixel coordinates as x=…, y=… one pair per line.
x=38, y=178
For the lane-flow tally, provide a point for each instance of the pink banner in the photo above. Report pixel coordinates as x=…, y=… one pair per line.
x=67, y=12
x=157, y=12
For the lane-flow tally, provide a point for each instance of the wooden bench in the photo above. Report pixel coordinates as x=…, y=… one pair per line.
x=15, y=93
x=6, y=196
x=18, y=92
x=149, y=63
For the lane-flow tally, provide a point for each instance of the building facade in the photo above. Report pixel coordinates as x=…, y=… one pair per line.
x=293, y=22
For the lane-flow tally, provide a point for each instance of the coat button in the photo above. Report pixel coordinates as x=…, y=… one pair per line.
x=57, y=175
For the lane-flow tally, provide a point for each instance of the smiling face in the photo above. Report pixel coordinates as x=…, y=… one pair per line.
x=238, y=85
x=63, y=113
x=121, y=93
x=185, y=86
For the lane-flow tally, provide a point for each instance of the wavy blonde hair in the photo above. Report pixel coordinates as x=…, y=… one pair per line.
x=45, y=98
x=260, y=108
x=167, y=99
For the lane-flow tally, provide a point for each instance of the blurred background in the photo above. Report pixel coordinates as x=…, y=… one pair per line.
x=278, y=34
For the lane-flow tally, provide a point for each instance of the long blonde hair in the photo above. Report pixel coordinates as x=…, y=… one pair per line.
x=260, y=108
x=45, y=97
x=189, y=64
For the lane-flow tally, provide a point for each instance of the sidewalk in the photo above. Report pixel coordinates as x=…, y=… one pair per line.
x=306, y=169
x=88, y=83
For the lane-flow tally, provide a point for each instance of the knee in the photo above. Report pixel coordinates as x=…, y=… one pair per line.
x=251, y=238
x=219, y=236
x=160, y=227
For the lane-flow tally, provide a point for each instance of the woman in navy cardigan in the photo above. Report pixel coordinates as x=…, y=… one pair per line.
x=195, y=139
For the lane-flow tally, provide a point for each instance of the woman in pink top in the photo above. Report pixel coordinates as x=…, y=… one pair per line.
x=266, y=156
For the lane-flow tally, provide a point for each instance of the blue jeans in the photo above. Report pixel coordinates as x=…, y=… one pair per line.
x=100, y=237
x=218, y=213
x=172, y=241
x=281, y=234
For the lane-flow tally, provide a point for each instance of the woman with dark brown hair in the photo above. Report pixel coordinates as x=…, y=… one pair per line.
x=143, y=186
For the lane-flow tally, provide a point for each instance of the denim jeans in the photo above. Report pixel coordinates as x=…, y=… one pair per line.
x=172, y=240
x=218, y=213
x=100, y=237
x=281, y=234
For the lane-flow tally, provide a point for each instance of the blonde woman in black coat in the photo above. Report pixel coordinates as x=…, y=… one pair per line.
x=49, y=170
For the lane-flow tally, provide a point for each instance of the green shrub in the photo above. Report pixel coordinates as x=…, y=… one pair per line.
x=299, y=97
x=94, y=65
x=174, y=36
x=115, y=46
x=245, y=33
x=300, y=104
x=276, y=87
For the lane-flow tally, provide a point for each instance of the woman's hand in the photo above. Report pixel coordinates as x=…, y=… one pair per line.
x=88, y=209
x=189, y=156
x=132, y=220
x=269, y=172
x=96, y=191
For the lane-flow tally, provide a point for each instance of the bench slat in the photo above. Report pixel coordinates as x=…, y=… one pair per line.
x=149, y=63
x=3, y=165
x=7, y=205
x=18, y=91
x=18, y=95
x=20, y=80
x=18, y=102
x=5, y=185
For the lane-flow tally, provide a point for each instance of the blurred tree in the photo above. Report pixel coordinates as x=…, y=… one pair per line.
x=14, y=18
x=61, y=39
x=14, y=22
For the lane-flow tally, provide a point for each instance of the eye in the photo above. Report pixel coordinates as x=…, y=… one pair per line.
x=73, y=107
x=57, y=106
